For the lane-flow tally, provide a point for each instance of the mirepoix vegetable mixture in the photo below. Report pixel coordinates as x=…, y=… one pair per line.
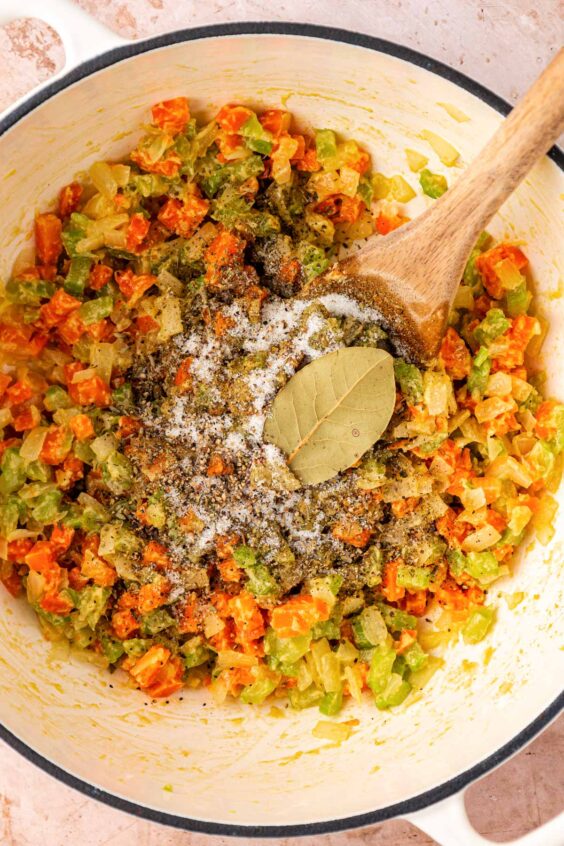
x=145, y=518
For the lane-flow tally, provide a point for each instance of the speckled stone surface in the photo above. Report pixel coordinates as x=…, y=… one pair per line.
x=501, y=44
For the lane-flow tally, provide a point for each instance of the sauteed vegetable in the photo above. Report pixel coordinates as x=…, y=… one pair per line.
x=145, y=513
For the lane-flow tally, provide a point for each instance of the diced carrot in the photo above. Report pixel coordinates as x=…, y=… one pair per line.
x=497, y=520
x=231, y=118
x=415, y=602
x=454, y=530
x=300, y=152
x=19, y=392
x=61, y=538
x=171, y=115
x=18, y=549
x=42, y=558
x=156, y=553
x=48, y=242
x=452, y=595
x=100, y=275
x=137, y=231
x=226, y=250
x=167, y=166
x=276, y=121
x=168, y=679
x=183, y=378
x=309, y=162
x=221, y=324
x=455, y=355
x=229, y=571
x=217, y=466
x=390, y=588
x=486, y=264
x=401, y=507
x=56, y=446
x=247, y=616
x=26, y=419
x=5, y=380
x=72, y=470
x=101, y=572
x=81, y=426
x=132, y=286
x=76, y=580
x=341, y=209
x=153, y=595
x=58, y=308
x=145, y=324
x=407, y=638
x=69, y=199
x=146, y=668
x=386, y=223
x=55, y=603
x=183, y=218
x=351, y=533
x=87, y=391
x=297, y=615
x=124, y=624
x=546, y=425
x=187, y=620
x=72, y=328
x=128, y=426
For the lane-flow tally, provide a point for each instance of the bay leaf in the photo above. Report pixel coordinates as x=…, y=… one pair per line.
x=333, y=410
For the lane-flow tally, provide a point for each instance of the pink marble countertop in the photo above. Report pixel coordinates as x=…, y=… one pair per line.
x=502, y=45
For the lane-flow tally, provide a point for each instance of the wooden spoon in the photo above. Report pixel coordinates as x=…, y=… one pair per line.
x=411, y=275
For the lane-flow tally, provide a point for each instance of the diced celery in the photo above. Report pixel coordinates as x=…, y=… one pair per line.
x=478, y=624
x=432, y=184
x=410, y=380
x=245, y=557
x=400, y=666
x=300, y=699
x=256, y=693
x=39, y=472
x=46, y=508
x=286, y=650
x=326, y=146
x=413, y=578
x=332, y=703
x=91, y=603
x=77, y=276
x=373, y=566
x=122, y=397
x=56, y=397
x=13, y=471
x=136, y=646
x=415, y=657
x=260, y=581
x=329, y=668
x=518, y=300
x=195, y=652
x=482, y=566
x=312, y=258
x=156, y=621
x=479, y=372
x=380, y=668
x=394, y=693
x=395, y=619
x=325, y=587
x=74, y=232
x=117, y=473
x=494, y=324
x=94, y=310
x=419, y=679
x=457, y=562
x=327, y=628
x=29, y=292
x=113, y=649
x=542, y=459
x=12, y=509
x=365, y=191
x=257, y=138
x=369, y=628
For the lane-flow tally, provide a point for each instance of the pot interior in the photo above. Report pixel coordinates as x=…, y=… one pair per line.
x=234, y=764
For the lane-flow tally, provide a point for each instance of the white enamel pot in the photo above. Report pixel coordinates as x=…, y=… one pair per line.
x=236, y=769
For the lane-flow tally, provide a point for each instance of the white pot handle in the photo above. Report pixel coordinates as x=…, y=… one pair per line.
x=448, y=823
x=83, y=37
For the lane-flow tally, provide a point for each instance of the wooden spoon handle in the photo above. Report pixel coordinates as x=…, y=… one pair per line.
x=530, y=130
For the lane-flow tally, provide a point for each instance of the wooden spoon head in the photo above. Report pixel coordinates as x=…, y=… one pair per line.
x=416, y=327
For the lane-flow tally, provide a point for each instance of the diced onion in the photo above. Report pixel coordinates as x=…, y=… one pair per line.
x=103, y=179
x=102, y=360
x=482, y=539
x=228, y=658
x=213, y=624
x=499, y=385
x=445, y=151
x=103, y=446
x=33, y=444
x=349, y=181
x=170, y=318
x=167, y=282
x=121, y=174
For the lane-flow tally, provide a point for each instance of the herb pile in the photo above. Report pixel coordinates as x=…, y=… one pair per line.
x=188, y=483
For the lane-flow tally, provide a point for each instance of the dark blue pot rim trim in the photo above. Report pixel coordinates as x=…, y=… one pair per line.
x=453, y=785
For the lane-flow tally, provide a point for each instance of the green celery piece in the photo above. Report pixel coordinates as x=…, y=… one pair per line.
x=113, y=649
x=478, y=624
x=433, y=184
x=257, y=692
x=77, y=276
x=156, y=621
x=257, y=138
x=369, y=628
x=394, y=694
x=94, y=310
x=457, y=562
x=117, y=473
x=479, y=372
x=494, y=324
x=373, y=562
x=518, y=300
x=380, y=668
x=46, y=507
x=313, y=259
x=410, y=380
x=482, y=566
x=135, y=647
x=195, y=653
x=300, y=699
x=472, y=275
x=415, y=657
x=326, y=145
x=286, y=650
x=395, y=619
x=74, y=232
x=56, y=397
x=29, y=292
x=327, y=628
x=331, y=703
x=91, y=603
x=37, y=471
x=12, y=510
x=413, y=578
x=245, y=557
x=12, y=471
x=149, y=185
x=122, y=397
x=365, y=190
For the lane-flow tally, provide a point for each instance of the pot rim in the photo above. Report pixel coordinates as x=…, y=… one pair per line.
x=453, y=785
